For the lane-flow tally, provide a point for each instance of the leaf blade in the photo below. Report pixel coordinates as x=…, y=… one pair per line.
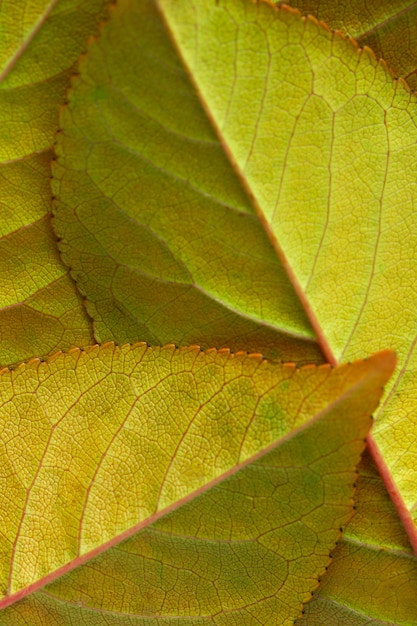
x=338, y=161
x=40, y=310
x=89, y=434
x=290, y=484
x=204, y=271
x=387, y=28
x=345, y=596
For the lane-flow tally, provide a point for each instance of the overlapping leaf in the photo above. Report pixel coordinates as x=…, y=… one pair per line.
x=101, y=443
x=158, y=230
x=388, y=28
x=322, y=142
x=40, y=311
x=171, y=248
x=351, y=594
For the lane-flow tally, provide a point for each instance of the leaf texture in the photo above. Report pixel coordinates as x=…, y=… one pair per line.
x=351, y=593
x=324, y=146
x=97, y=444
x=266, y=450
x=167, y=226
x=159, y=231
x=389, y=28
x=40, y=311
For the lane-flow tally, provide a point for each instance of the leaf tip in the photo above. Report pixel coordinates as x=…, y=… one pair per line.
x=385, y=362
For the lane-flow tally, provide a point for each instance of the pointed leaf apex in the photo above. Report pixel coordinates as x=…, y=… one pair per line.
x=385, y=363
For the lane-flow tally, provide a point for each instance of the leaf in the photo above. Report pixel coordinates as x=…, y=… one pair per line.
x=327, y=176
x=267, y=450
x=388, y=28
x=374, y=541
x=40, y=311
x=204, y=271
x=241, y=307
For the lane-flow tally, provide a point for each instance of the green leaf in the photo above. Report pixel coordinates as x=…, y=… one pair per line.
x=160, y=234
x=40, y=311
x=103, y=442
x=388, y=28
x=324, y=150
x=351, y=594
x=166, y=227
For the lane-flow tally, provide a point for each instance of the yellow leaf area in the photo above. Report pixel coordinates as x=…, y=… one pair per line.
x=388, y=27
x=40, y=310
x=107, y=443
x=351, y=594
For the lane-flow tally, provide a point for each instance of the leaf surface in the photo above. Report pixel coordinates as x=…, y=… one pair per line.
x=40, y=311
x=389, y=28
x=324, y=146
x=351, y=594
x=172, y=162
x=266, y=450
x=159, y=231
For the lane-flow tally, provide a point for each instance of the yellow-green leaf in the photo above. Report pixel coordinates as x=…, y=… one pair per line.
x=373, y=577
x=99, y=444
x=237, y=292
x=388, y=27
x=322, y=142
x=40, y=311
x=159, y=231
